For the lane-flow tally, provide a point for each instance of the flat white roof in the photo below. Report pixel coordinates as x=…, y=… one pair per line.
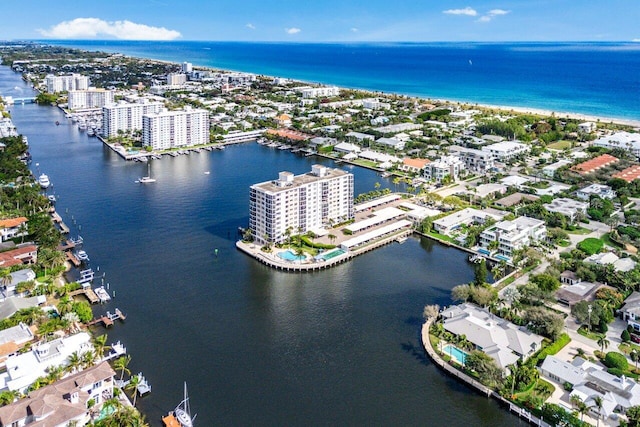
x=372, y=235
x=379, y=217
x=376, y=202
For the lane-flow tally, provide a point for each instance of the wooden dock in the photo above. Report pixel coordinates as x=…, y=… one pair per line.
x=66, y=246
x=87, y=292
x=72, y=259
x=108, y=319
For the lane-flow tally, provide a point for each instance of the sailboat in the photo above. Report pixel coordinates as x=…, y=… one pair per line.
x=181, y=416
x=147, y=179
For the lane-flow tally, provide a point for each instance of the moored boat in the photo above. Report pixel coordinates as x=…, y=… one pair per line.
x=181, y=415
x=44, y=182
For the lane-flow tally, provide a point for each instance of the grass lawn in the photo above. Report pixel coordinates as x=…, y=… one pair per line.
x=628, y=347
x=564, y=243
x=582, y=330
x=441, y=237
x=560, y=145
x=366, y=163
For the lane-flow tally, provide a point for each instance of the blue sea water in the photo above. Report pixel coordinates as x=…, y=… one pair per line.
x=600, y=79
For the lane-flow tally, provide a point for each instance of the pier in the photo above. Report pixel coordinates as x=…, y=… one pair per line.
x=108, y=319
x=72, y=259
x=87, y=292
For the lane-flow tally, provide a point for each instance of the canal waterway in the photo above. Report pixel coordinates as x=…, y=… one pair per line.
x=256, y=346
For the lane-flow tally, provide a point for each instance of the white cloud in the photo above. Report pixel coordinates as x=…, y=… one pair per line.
x=292, y=30
x=491, y=14
x=636, y=40
x=250, y=26
x=496, y=12
x=88, y=28
x=354, y=30
x=466, y=11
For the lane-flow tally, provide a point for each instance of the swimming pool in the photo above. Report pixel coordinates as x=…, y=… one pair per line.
x=328, y=255
x=455, y=353
x=290, y=256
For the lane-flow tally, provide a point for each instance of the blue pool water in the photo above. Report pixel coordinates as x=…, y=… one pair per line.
x=455, y=353
x=328, y=255
x=290, y=256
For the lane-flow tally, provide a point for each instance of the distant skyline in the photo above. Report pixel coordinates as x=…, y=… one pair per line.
x=324, y=21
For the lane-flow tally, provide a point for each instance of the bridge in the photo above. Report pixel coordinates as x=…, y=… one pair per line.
x=25, y=100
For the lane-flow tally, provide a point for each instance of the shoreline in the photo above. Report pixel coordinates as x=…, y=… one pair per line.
x=471, y=103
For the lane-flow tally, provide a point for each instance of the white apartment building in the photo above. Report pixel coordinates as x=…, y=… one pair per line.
x=474, y=160
x=506, y=150
x=514, y=235
x=176, y=79
x=299, y=203
x=56, y=84
x=187, y=67
x=125, y=116
x=172, y=129
x=443, y=167
x=90, y=98
x=314, y=92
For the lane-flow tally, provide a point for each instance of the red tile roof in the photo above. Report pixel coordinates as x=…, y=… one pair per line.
x=12, y=222
x=629, y=174
x=18, y=256
x=416, y=163
x=594, y=164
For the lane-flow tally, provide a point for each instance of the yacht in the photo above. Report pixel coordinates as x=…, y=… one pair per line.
x=181, y=416
x=82, y=255
x=147, y=179
x=44, y=182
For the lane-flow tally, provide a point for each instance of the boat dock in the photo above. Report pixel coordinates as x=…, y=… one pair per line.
x=117, y=350
x=66, y=245
x=108, y=319
x=72, y=259
x=87, y=292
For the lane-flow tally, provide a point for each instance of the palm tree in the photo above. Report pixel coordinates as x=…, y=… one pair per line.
x=132, y=386
x=603, y=342
x=581, y=407
x=5, y=277
x=74, y=362
x=54, y=373
x=635, y=356
x=597, y=403
x=100, y=344
x=332, y=238
x=122, y=364
x=89, y=359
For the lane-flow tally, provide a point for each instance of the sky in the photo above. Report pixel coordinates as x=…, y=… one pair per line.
x=323, y=20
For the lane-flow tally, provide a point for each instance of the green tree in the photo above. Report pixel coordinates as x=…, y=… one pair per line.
x=546, y=282
x=480, y=273
x=132, y=386
x=485, y=366
x=121, y=364
x=83, y=310
x=603, y=342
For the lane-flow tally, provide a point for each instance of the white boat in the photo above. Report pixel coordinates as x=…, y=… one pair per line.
x=147, y=179
x=82, y=256
x=102, y=294
x=44, y=182
x=182, y=413
x=51, y=198
x=91, y=132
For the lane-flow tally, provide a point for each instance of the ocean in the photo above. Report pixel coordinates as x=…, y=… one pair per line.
x=601, y=79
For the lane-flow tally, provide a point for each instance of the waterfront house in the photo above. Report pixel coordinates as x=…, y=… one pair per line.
x=9, y=306
x=12, y=340
x=467, y=216
x=20, y=254
x=413, y=165
x=24, y=369
x=63, y=403
x=590, y=381
x=514, y=235
x=13, y=227
x=347, y=148
x=504, y=341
